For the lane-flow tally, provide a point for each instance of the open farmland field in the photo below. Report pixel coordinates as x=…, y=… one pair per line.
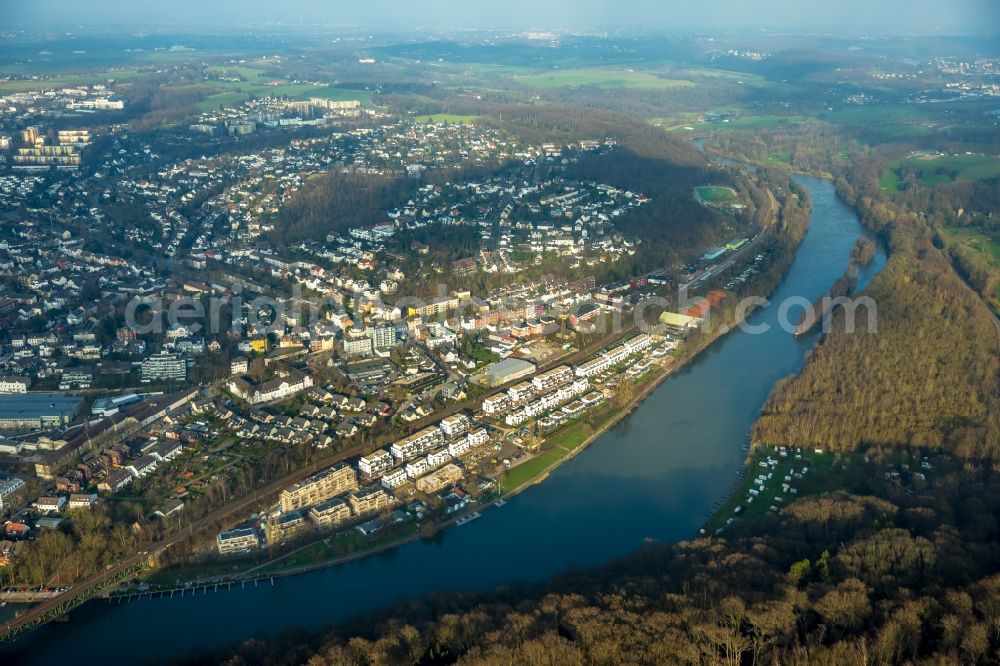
x=452, y=118
x=931, y=171
x=605, y=78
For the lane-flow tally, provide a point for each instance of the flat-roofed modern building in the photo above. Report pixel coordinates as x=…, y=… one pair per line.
x=375, y=463
x=369, y=500
x=286, y=526
x=159, y=367
x=442, y=478
x=319, y=487
x=410, y=447
x=38, y=410
x=240, y=540
x=454, y=425
x=330, y=513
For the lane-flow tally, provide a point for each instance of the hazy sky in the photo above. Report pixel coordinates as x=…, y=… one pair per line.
x=882, y=16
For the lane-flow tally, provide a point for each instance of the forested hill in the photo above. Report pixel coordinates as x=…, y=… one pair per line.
x=929, y=376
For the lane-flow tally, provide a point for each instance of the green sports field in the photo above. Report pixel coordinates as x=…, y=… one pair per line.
x=715, y=193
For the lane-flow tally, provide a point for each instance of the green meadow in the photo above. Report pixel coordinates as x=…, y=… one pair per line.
x=933, y=171
x=595, y=76
x=452, y=118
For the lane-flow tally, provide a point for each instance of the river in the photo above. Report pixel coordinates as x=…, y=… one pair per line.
x=656, y=474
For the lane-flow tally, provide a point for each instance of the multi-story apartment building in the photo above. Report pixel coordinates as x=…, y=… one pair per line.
x=454, y=425
x=438, y=458
x=442, y=478
x=14, y=384
x=375, y=463
x=319, y=487
x=286, y=526
x=383, y=336
x=394, y=479
x=551, y=379
x=161, y=367
x=420, y=442
x=496, y=404
x=521, y=393
x=369, y=500
x=477, y=437
x=417, y=468
x=239, y=540
x=330, y=513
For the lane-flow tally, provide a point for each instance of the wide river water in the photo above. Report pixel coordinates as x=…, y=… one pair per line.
x=656, y=474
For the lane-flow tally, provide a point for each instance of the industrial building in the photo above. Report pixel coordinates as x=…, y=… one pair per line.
x=507, y=370
x=38, y=410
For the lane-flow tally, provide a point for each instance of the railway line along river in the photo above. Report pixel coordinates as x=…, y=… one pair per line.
x=656, y=475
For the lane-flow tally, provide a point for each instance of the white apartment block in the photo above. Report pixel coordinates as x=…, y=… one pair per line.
x=521, y=393
x=416, y=444
x=417, y=468
x=454, y=425
x=496, y=404
x=237, y=541
x=438, y=458
x=394, y=479
x=375, y=463
x=551, y=379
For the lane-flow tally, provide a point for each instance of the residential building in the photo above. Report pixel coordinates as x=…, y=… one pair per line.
x=286, y=384
x=442, y=478
x=14, y=384
x=286, y=526
x=496, y=404
x=375, y=463
x=82, y=500
x=163, y=367
x=319, y=487
x=420, y=442
x=50, y=504
x=383, y=336
x=357, y=346
x=550, y=379
x=116, y=481
x=521, y=393
x=369, y=500
x=330, y=513
x=454, y=425
x=394, y=479
x=240, y=540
